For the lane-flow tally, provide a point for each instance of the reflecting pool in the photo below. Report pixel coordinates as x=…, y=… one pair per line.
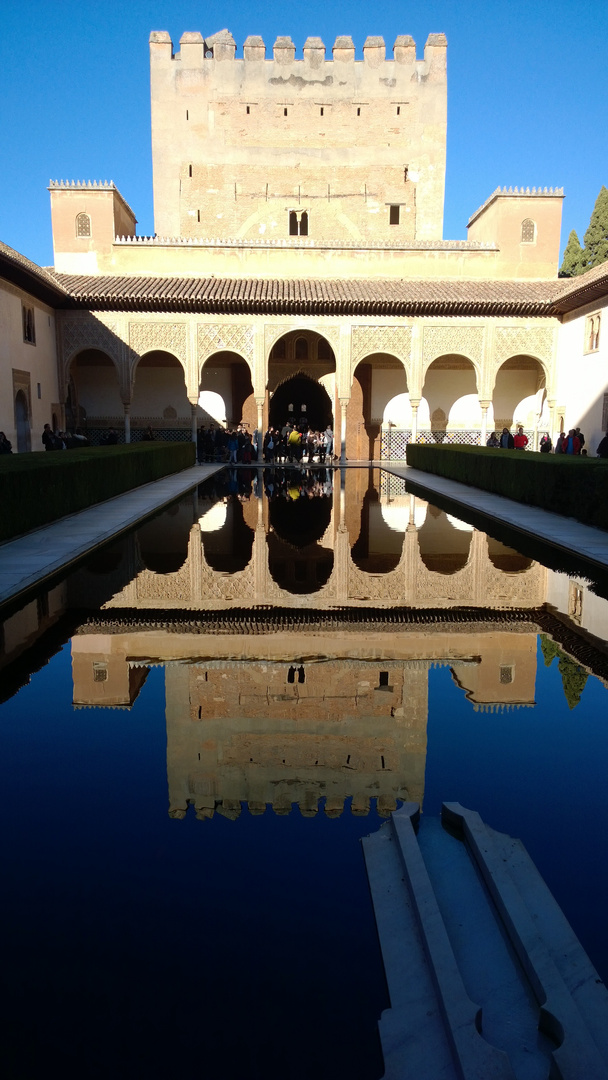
x=200, y=722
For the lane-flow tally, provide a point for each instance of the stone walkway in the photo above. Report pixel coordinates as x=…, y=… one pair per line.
x=30, y=559
x=562, y=532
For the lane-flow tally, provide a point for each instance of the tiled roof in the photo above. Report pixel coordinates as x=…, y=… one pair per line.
x=30, y=277
x=312, y=297
x=584, y=289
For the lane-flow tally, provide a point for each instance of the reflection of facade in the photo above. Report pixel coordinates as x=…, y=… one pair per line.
x=376, y=550
x=294, y=716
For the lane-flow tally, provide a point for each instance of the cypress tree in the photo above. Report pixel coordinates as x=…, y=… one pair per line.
x=596, y=237
x=549, y=649
x=573, y=680
x=574, y=260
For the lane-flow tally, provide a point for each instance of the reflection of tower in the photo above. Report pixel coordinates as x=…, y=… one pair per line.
x=279, y=732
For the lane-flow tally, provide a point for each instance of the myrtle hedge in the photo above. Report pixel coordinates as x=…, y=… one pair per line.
x=38, y=488
x=576, y=487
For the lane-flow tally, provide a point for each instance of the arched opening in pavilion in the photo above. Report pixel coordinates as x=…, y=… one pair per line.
x=159, y=397
x=450, y=400
x=226, y=537
x=507, y=559
x=520, y=397
x=163, y=541
x=444, y=542
x=379, y=545
x=22, y=422
x=226, y=393
x=301, y=381
x=379, y=402
x=298, y=560
x=94, y=403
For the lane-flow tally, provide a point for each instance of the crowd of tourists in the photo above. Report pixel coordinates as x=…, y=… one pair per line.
x=277, y=483
x=291, y=444
x=568, y=442
x=64, y=440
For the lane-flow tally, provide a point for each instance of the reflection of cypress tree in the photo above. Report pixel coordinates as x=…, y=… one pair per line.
x=573, y=680
x=549, y=649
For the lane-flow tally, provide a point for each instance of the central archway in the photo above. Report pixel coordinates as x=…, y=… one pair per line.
x=301, y=395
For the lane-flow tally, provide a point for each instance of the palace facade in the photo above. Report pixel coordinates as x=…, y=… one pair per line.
x=298, y=257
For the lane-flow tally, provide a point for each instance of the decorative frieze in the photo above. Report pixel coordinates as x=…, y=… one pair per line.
x=450, y=340
x=536, y=341
x=396, y=340
x=214, y=337
x=165, y=336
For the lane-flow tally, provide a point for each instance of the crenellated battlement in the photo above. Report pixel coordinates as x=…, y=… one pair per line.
x=222, y=46
x=527, y=192
x=294, y=140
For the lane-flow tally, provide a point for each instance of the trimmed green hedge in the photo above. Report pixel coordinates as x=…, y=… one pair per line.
x=40, y=487
x=576, y=487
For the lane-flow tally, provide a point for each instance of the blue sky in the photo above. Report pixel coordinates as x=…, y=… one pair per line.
x=527, y=94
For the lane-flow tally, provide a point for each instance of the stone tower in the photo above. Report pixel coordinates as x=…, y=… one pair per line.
x=260, y=148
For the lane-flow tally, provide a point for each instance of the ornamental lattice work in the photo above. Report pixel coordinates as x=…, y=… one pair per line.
x=534, y=341
x=275, y=331
x=90, y=333
x=217, y=338
x=396, y=340
x=452, y=340
x=151, y=336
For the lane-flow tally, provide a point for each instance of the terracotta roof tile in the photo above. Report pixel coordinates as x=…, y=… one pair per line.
x=310, y=296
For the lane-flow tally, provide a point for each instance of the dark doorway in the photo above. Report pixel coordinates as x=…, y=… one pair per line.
x=22, y=423
x=297, y=391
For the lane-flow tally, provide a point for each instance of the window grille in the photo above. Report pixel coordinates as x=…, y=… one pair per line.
x=528, y=231
x=29, y=326
x=83, y=225
x=394, y=215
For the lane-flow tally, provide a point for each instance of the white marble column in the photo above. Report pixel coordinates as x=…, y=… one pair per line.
x=260, y=404
x=485, y=405
x=127, y=408
x=343, y=408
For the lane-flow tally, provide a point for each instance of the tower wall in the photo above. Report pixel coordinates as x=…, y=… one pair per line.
x=240, y=145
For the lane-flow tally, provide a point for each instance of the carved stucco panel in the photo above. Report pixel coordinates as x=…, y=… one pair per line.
x=273, y=331
x=449, y=339
x=90, y=333
x=148, y=336
x=217, y=337
x=523, y=340
x=396, y=340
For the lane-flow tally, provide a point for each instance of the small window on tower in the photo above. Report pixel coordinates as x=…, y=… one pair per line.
x=398, y=110
x=83, y=225
x=321, y=110
x=528, y=231
x=394, y=215
x=284, y=112
x=298, y=223
x=358, y=112
x=189, y=170
x=198, y=215
x=248, y=110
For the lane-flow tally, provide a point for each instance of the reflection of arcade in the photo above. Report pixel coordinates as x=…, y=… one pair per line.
x=297, y=561
x=366, y=543
x=297, y=715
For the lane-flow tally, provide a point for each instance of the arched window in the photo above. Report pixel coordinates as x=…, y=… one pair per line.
x=298, y=223
x=592, y=333
x=83, y=225
x=528, y=231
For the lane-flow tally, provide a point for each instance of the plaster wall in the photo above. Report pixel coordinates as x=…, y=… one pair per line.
x=38, y=363
x=297, y=258
x=592, y=615
x=582, y=376
x=501, y=221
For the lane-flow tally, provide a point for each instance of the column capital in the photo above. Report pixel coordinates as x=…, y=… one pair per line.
x=485, y=403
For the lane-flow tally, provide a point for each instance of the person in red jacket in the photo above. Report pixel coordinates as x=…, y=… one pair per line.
x=520, y=440
x=571, y=444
